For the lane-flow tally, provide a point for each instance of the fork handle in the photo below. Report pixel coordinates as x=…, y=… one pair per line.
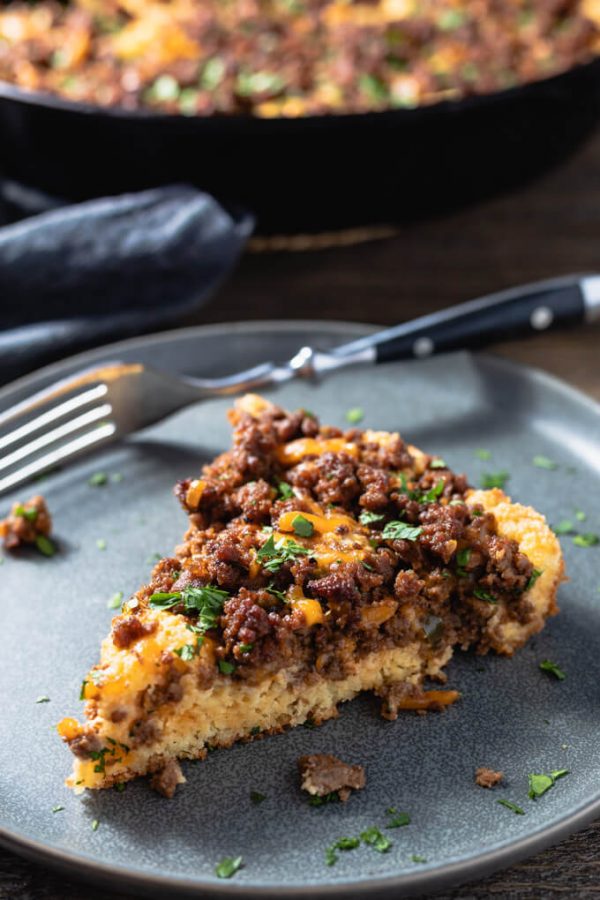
x=518, y=312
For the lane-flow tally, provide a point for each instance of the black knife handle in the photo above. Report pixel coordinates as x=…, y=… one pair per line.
x=513, y=313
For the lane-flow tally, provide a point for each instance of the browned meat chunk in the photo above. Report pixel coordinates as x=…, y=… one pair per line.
x=165, y=782
x=324, y=774
x=26, y=523
x=487, y=778
x=126, y=631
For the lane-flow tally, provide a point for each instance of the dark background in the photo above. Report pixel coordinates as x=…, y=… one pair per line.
x=549, y=228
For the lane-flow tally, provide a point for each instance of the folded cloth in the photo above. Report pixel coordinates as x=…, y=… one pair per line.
x=73, y=276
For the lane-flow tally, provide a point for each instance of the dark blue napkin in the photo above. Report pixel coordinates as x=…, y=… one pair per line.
x=74, y=276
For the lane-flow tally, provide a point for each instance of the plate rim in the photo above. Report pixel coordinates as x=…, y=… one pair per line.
x=446, y=875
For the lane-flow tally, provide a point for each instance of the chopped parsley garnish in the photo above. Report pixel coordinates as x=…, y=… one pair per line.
x=56, y=809
x=246, y=648
x=543, y=462
x=257, y=798
x=483, y=595
x=580, y=515
x=98, y=479
x=462, y=558
x=43, y=699
x=315, y=800
x=101, y=544
x=286, y=491
x=512, y=806
x=438, y=464
x=539, y=784
x=483, y=454
x=279, y=594
x=45, y=545
x=494, y=479
x=303, y=527
x=344, y=843
x=355, y=415
x=548, y=666
x=120, y=787
x=398, y=820
x=416, y=858
x=273, y=554
x=565, y=526
x=401, y=531
x=189, y=651
x=115, y=601
x=95, y=825
x=82, y=691
x=432, y=495
x=207, y=601
x=29, y=514
x=228, y=866
x=370, y=518
x=586, y=540
x=533, y=578
x=375, y=839
x=225, y=667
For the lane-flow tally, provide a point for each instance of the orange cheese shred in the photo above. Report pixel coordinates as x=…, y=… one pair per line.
x=429, y=700
x=295, y=451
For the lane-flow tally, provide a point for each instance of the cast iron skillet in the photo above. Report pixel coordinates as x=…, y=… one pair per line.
x=308, y=174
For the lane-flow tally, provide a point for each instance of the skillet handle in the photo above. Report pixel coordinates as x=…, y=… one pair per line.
x=518, y=312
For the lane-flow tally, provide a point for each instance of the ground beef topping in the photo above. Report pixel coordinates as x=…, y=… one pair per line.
x=27, y=524
x=487, y=778
x=272, y=58
x=310, y=547
x=323, y=774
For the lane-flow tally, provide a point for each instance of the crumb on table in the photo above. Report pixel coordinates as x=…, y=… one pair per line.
x=487, y=778
x=324, y=774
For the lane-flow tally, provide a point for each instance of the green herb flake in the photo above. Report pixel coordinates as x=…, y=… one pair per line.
x=432, y=495
x=533, y=578
x=416, y=858
x=484, y=595
x=228, y=866
x=512, y=806
x=82, y=691
x=98, y=479
x=483, y=454
x=207, y=601
x=462, y=558
x=114, y=602
x=273, y=554
x=375, y=839
x=120, y=786
x=370, y=518
x=250, y=83
x=586, y=540
x=257, y=798
x=187, y=652
x=246, y=648
x=345, y=844
x=401, y=531
x=43, y=699
x=580, y=515
x=225, y=667
x=539, y=784
x=303, y=527
x=438, y=464
x=275, y=593
x=101, y=544
x=57, y=808
x=316, y=800
x=212, y=73
x=30, y=514
x=548, y=666
x=286, y=491
x=543, y=462
x=494, y=479
x=95, y=825
x=45, y=545
x=355, y=415
x=565, y=526
x=165, y=89
x=398, y=820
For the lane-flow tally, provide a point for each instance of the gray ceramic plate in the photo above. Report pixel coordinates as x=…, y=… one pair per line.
x=53, y=613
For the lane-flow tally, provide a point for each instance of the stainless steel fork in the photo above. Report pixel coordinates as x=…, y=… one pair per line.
x=114, y=399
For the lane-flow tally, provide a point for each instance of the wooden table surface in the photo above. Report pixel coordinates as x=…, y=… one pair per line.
x=549, y=228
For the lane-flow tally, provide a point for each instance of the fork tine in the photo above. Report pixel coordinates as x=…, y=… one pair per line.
x=56, y=412
x=51, y=437
x=103, y=434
